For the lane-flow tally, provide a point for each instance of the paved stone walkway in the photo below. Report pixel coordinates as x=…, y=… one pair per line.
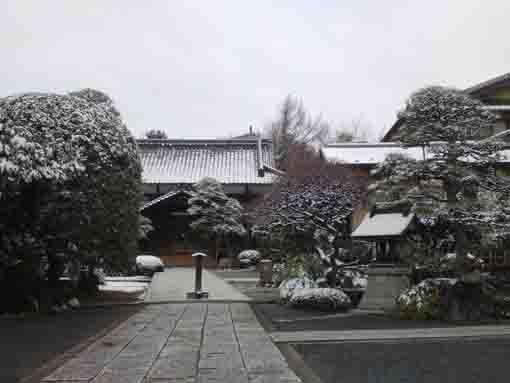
x=195, y=342
x=173, y=284
x=395, y=334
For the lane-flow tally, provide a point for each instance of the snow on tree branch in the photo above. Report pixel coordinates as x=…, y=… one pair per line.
x=214, y=213
x=449, y=184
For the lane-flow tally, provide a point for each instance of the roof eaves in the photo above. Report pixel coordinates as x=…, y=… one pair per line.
x=275, y=171
x=485, y=84
x=393, y=128
x=164, y=142
x=157, y=200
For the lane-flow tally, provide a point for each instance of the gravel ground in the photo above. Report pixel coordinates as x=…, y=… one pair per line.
x=28, y=343
x=466, y=361
x=277, y=317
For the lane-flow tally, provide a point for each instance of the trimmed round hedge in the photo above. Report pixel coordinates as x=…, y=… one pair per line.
x=287, y=287
x=323, y=299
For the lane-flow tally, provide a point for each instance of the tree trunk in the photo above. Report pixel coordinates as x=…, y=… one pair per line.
x=334, y=268
x=459, y=235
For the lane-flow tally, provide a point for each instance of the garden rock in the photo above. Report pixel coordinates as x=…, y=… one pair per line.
x=287, y=287
x=323, y=299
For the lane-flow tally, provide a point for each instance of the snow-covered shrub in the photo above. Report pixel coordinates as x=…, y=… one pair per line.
x=249, y=255
x=288, y=270
x=288, y=287
x=149, y=264
x=324, y=299
x=73, y=303
x=426, y=300
x=353, y=279
x=70, y=179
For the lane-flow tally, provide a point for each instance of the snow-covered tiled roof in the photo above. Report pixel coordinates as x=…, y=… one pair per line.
x=371, y=154
x=488, y=83
x=188, y=161
x=383, y=225
x=367, y=153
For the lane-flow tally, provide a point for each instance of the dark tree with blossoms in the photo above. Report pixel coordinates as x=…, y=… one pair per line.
x=451, y=181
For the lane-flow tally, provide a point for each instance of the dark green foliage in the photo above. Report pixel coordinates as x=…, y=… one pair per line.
x=70, y=186
x=215, y=215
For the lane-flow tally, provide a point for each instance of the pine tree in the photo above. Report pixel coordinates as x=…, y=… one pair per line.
x=447, y=183
x=214, y=214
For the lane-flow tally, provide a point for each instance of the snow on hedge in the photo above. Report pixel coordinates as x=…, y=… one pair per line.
x=320, y=298
x=287, y=287
x=53, y=137
x=149, y=262
x=74, y=152
x=425, y=298
x=250, y=255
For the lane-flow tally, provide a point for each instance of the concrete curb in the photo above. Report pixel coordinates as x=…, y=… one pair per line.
x=403, y=335
x=174, y=301
x=297, y=364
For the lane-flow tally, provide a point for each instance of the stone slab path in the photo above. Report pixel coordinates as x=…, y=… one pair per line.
x=173, y=284
x=194, y=342
x=390, y=335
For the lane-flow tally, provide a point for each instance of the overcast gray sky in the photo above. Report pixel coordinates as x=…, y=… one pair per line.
x=213, y=67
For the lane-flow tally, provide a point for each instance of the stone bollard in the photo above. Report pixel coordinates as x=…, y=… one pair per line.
x=199, y=263
x=265, y=268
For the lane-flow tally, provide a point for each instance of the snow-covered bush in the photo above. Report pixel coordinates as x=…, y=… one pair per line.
x=288, y=287
x=426, y=300
x=149, y=263
x=69, y=180
x=324, y=299
x=249, y=255
x=353, y=279
x=73, y=303
x=288, y=270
